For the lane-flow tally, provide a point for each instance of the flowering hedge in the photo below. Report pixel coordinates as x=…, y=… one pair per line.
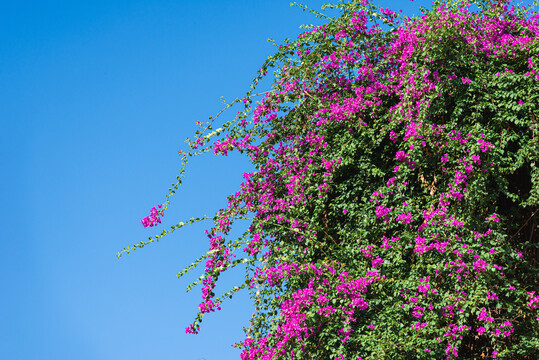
x=393, y=213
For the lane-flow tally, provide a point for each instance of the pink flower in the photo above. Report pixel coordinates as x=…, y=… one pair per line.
x=401, y=155
x=418, y=325
x=377, y=262
x=405, y=218
x=484, y=145
x=484, y=317
x=382, y=211
x=153, y=219
x=493, y=217
x=423, y=288
x=534, y=300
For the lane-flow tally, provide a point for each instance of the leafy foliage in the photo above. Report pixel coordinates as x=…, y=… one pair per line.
x=393, y=210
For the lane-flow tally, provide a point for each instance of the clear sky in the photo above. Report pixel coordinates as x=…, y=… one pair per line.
x=96, y=98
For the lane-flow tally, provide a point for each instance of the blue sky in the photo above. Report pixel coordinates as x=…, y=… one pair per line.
x=95, y=101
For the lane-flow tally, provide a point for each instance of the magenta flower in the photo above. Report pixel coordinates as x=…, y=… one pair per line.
x=377, y=262
x=153, y=219
x=483, y=316
x=401, y=155
x=382, y=211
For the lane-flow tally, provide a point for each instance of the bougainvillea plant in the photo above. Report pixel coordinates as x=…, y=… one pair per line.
x=394, y=209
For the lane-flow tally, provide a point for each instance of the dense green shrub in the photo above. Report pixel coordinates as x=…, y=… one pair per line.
x=394, y=207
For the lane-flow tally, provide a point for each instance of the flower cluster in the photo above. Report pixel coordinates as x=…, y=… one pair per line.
x=154, y=217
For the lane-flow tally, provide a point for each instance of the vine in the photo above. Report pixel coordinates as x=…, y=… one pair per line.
x=393, y=210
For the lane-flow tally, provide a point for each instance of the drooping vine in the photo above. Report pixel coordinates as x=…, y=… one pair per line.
x=394, y=209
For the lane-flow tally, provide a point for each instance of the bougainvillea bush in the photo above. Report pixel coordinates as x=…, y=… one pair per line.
x=394, y=209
